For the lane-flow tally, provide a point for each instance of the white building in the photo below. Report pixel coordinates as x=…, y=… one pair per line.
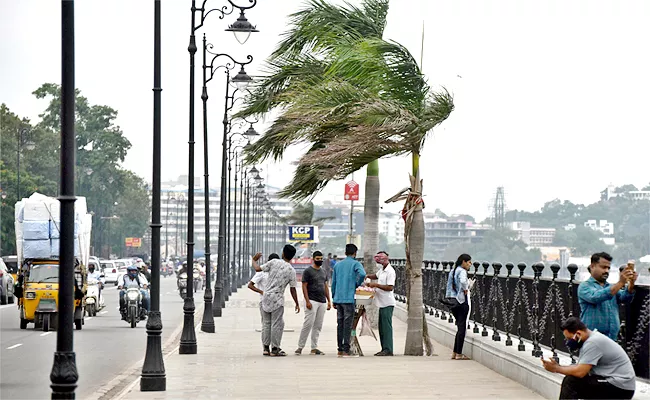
x=392, y=226
x=606, y=228
x=173, y=215
x=533, y=237
x=636, y=195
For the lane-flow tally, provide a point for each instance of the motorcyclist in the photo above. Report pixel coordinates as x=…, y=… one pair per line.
x=183, y=269
x=144, y=270
x=94, y=274
x=132, y=279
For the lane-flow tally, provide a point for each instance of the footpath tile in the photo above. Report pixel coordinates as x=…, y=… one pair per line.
x=230, y=365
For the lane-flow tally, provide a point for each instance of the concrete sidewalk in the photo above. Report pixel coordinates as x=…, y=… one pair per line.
x=229, y=364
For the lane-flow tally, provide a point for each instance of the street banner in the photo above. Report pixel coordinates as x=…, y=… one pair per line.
x=351, y=191
x=137, y=242
x=128, y=242
x=303, y=233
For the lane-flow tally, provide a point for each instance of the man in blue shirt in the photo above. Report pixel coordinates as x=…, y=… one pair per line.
x=347, y=276
x=599, y=300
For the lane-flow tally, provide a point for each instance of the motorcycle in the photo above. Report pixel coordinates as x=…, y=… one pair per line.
x=198, y=280
x=94, y=302
x=134, y=310
x=181, y=283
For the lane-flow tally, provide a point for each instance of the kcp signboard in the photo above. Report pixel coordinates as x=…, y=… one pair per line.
x=303, y=233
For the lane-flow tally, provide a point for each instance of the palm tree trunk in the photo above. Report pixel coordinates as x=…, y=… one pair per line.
x=416, y=334
x=371, y=229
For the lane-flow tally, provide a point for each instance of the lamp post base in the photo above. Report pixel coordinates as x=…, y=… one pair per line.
x=188, y=337
x=64, y=375
x=207, y=324
x=216, y=309
x=153, y=370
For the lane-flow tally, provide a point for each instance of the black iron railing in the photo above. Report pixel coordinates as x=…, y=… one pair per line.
x=515, y=304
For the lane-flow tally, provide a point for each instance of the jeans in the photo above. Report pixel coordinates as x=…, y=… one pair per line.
x=344, y=320
x=592, y=387
x=460, y=313
x=145, y=299
x=386, y=329
x=313, y=323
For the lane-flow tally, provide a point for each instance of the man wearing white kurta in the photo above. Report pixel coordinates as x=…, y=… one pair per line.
x=385, y=301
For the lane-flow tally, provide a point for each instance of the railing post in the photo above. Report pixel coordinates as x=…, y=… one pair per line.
x=537, y=268
x=572, y=271
x=521, y=288
x=443, y=287
x=426, y=287
x=478, y=293
x=438, y=276
x=432, y=285
x=555, y=268
x=485, y=266
x=508, y=322
x=496, y=286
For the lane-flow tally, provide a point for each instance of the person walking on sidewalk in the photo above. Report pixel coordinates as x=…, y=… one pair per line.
x=317, y=301
x=384, y=301
x=258, y=284
x=348, y=275
x=281, y=274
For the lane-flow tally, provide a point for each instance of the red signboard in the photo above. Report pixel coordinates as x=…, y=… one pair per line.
x=128, y=242
x=352, y=191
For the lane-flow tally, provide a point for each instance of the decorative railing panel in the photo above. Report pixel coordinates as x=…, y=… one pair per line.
x=521, y=306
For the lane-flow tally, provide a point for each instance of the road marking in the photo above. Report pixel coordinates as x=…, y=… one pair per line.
x=103, y=312
x=14, y=346
x=45, y=334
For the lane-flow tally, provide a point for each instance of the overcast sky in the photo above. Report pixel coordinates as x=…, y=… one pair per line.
x=551, y=96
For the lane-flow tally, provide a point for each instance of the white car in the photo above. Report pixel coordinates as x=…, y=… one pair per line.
x=6, y=284
x=110, y=271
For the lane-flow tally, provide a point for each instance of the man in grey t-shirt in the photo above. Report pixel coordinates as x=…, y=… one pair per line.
x=604, y=371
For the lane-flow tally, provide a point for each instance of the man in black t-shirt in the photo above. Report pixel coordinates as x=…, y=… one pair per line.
x=317, y=301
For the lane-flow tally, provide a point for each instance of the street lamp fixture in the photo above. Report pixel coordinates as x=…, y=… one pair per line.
x=251, y=132
x=242, y=79
x=254, y=172
x=242, y=28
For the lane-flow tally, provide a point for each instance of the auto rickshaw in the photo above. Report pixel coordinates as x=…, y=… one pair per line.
x=38, y=294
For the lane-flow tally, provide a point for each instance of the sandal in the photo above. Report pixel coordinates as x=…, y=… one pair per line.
x=462, y=357
x=316, y=352
x=453, y=356
x=277, y=352
x=266, y=352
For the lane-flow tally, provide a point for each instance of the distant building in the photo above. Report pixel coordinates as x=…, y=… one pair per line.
x=392, y=226
x=606, y=228
x=441, y=233
x=533, y=237
x=636, y=195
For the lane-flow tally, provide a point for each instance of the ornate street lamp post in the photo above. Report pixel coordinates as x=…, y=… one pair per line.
x=240, y=28
x=64, y=374
x=153, y=370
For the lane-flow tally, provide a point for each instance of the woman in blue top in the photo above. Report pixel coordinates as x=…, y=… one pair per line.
x=457, y=287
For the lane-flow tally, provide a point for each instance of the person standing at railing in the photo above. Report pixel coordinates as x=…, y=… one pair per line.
x=458, y=286
x=603, y=371
x=599, y=299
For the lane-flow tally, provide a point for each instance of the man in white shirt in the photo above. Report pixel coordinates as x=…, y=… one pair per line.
x=385, y=301
x=258, y=284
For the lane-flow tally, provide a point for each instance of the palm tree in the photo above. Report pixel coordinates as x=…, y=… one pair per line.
x=355, y=99
x=302, y=58
x=303, y=214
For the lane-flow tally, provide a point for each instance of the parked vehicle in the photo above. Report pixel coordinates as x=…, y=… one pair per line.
x=6, y=284
x=134, y=310
x=109, y=269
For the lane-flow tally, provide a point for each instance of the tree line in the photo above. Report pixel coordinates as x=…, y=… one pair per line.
x=110, y=189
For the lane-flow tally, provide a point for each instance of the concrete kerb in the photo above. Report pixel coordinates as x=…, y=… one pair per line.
x=521, y=367
x=114, y=389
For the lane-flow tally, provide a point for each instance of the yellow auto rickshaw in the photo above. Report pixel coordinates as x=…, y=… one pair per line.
x=38, y=300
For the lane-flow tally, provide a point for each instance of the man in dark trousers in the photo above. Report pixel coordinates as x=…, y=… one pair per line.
x=348, y=275
x=604, y=370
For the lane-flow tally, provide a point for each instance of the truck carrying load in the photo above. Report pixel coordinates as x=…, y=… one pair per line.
x=38, y=228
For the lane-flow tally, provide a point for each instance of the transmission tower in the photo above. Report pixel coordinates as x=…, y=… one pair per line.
x=498, y=209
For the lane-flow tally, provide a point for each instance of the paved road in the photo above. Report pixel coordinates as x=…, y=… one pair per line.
x=105, y=347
